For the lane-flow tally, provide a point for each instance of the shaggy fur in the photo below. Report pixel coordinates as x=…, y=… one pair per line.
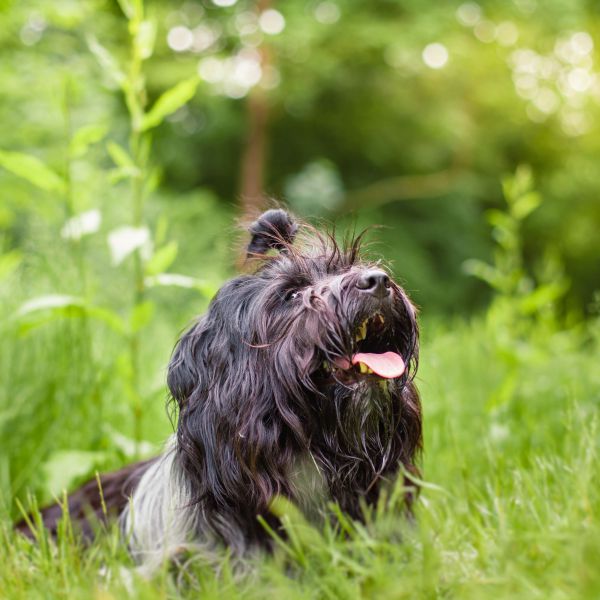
x=269, y=405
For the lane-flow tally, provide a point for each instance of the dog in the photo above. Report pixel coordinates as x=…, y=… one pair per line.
x=297, y=382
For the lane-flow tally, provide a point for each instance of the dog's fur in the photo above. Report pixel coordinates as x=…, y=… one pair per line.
x=264, y=409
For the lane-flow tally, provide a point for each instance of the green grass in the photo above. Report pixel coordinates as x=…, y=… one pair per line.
x=510, y=507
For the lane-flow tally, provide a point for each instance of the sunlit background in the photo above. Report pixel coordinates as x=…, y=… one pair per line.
x=400, y=113
x=135, y=138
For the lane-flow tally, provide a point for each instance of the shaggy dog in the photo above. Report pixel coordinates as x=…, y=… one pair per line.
x=298, y=381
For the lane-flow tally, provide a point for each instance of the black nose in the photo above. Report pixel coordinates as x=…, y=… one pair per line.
x=374, y=281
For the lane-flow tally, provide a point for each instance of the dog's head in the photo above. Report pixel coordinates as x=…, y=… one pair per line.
x=315, y=350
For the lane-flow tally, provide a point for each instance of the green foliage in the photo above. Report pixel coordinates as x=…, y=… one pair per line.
x=119, y=168
x=84, y=137
x=354, y=110
x=510, y=506
x=74, y=309
x=33, y=170
x=170, y=101
x=518, y=294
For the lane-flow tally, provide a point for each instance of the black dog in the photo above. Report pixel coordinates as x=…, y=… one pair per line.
x=297, y=382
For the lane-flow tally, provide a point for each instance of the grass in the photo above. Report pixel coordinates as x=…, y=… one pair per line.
x=510, y=507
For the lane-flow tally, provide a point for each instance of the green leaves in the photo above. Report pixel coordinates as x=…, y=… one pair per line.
x=49, y=302
x=107, y=61
x=128, y=8
x=64, y=467
x=519, y=194
x=141, y=315
x=169, y=102
x=484, y=271
x=145, y=38
x=32, y=169
x=38, y=173
x=86, y=136
x=162, y=259
x=125, y=165
x=524, y=205
x=143, y=34
x=9, y=262
x=120, y=156
x=52, y=307
x=206, y=288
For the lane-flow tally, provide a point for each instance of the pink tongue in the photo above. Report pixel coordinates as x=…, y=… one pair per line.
x=388, y=364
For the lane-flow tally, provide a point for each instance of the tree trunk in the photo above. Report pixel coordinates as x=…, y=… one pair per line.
x=252, y=176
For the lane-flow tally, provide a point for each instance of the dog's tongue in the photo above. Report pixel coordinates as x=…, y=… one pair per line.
x=388, y=364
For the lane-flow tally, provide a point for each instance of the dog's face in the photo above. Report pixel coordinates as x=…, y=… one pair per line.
x=322, y=315
x=315, y=350
x=315, y=316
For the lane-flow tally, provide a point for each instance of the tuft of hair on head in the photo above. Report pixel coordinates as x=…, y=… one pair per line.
x=273, y=230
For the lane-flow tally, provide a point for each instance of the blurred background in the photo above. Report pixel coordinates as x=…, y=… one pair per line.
x=133, y=138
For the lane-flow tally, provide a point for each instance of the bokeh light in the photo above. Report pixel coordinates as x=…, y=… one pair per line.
x=435, y=56
x=180, y=38
x=327, y=12
x=271, y=21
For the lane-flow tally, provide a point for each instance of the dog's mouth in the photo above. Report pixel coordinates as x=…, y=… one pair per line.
x=376, y=350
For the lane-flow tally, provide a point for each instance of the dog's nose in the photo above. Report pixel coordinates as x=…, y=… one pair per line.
x=375, y=282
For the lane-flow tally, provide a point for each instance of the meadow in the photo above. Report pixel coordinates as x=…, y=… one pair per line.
x=509, y=508
x=509, y=505
x=137, y=135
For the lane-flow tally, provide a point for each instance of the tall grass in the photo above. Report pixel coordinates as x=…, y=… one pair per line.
x=510, y=507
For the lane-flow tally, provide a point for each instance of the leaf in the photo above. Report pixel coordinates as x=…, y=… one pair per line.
x=129, y=447
x=127, y=8
x=141, y=315
x=145, y=38
x=65, y=466
x=525, y=205
x=106, y=60
x=63, y=306
x=117, y=175
x=162, y=259
x=518, y=184
x=125, y=240
x=51, y=301
x=169, y=102
x=84, y=137
x=500, y=219
x=544, y=295
x=33, y=170
x=120, y=156
x=9, y=263
x=483, y=271
x=207, y=289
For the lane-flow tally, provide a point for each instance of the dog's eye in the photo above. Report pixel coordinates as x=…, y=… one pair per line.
x=291, y=295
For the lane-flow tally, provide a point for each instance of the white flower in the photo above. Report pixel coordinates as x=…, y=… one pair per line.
x=82, y=224
x=125, y=240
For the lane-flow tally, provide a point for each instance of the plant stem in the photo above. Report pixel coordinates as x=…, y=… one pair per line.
x=69, y=194
x=139, y=145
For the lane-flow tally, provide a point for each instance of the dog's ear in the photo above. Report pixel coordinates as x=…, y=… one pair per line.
x=274, y=229
x=184, y=374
